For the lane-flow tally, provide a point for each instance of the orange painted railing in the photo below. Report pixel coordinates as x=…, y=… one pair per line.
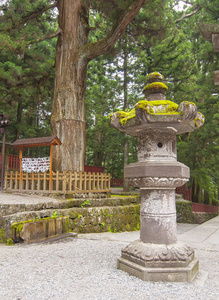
x=187, y=193
x=13, y=162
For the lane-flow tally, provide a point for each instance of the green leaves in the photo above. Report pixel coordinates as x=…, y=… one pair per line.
x=26, y=67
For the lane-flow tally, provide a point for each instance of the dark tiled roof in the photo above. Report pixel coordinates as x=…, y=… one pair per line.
x=36, y=142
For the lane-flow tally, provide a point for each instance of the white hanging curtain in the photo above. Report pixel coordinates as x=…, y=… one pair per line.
x=40, y=164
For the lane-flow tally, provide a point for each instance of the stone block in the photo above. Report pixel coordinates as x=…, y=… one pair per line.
x=157, y=169
x=173, y=274
x=59, y=225
x=51, y=223
x=35, y=231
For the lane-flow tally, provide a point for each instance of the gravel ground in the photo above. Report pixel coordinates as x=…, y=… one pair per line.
x=81, y=268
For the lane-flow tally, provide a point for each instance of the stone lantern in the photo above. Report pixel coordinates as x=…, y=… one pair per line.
x=155, y=121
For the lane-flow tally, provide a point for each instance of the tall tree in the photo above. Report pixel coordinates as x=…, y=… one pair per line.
x=73, y=54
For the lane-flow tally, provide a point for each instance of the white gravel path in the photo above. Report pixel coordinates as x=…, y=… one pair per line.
x=82, y=269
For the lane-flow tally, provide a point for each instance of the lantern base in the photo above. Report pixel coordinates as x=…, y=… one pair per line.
x=154, y=262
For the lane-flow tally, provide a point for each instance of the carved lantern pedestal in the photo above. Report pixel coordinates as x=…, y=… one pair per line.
x=158, y=256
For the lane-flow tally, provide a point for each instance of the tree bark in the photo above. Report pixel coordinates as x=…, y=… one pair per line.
x=125, y=106
x=19, y=115
x=72, y=56
x=68, y=113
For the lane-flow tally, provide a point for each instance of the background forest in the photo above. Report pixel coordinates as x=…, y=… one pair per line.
x=164, y=38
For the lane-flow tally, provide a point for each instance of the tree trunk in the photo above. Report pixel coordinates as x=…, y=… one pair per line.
x=72, y=56
x=19, y=116
x=125, y=106
x=98, y=152
x=68, y=113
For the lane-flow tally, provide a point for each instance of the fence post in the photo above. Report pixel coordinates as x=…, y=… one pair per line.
x=11, y=180
x=16, y=180
x=75, y=181
x=64, y=182
x=109, y=181
x=21, y=173
x=32, y=182
x=27, y=175
x=70, y=181
x=5, y=183
x=80, y=181
x=92, y=177
x=98, y=181
x=44, y=181
x=101, y=185
x=38, y=181
x=57, y=181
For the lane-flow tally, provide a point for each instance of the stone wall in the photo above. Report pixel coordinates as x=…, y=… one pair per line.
x=101, y=219
x=186, y=215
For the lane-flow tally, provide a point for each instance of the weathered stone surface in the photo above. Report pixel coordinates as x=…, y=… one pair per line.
x=156, y=96
x=39, y=230
x=188, y=111
x=158, y=216
x=157, y=145
x=181, y=121
x=160, y=171
x=33, y=231
x=172, y=274
x=157, y=256
x=51, y=223
x=144, y=121
x=11, y=209
x=59, y=226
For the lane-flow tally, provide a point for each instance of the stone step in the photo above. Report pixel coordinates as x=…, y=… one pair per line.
x=82, y=219
x=10, y=209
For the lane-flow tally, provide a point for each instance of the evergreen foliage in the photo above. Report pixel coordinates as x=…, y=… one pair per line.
x=26, y=67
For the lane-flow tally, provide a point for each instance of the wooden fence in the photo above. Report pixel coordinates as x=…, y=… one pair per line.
x=60, y=182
